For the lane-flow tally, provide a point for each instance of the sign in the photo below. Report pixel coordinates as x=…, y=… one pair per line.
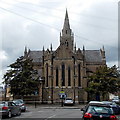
x=62, y=92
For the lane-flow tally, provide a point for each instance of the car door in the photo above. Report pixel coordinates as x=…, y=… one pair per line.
x=12, y=107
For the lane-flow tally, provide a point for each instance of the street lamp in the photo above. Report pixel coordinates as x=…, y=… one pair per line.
x=42, y=80
x=74, y=77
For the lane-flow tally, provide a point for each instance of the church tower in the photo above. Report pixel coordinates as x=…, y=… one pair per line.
x=67, y=38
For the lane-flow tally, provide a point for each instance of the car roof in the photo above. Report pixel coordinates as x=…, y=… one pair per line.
x=98, y=103
x=94, y=102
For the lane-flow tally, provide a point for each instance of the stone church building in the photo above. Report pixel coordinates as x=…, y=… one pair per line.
x=64, y=71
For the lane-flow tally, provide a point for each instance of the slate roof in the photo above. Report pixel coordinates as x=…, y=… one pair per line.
x=90, y=56
x=93, y=56
x=36, y=56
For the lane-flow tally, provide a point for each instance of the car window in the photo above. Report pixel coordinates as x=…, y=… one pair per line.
x=99, y=109
x=11, y=104
x=68, y=99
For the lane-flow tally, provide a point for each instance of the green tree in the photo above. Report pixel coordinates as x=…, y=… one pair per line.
x=22, y=78
x=104, y=81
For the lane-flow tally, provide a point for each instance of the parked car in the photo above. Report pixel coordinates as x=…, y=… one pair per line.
x=8, y=109
x=115, y=107
x=68, y=101
x=21, y=103
x=98, y=111
x=116, y=99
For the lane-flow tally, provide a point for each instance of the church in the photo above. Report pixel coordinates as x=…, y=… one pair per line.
x=64, y=71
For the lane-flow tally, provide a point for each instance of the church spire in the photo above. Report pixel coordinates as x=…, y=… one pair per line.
x=66, y=37
x=66, y=22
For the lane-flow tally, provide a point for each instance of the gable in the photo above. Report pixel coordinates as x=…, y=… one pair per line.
x=63, y=52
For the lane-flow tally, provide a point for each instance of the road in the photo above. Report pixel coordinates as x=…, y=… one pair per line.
x=56, y=113
x=53, y=112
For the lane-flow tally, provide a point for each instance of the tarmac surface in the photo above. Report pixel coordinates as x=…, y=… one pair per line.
x=55, y=106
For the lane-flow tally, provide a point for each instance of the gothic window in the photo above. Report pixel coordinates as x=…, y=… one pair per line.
x=66, y=31
x=63, y=75
x=69, y=76
x=57, y=74
x=79, y=75
x=46, y=75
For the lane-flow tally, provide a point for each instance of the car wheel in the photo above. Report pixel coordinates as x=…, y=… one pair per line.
x=9, y=114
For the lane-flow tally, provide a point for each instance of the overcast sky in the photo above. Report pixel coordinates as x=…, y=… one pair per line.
x=38, y=23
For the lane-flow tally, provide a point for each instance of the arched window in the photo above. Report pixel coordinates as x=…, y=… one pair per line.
x=63, y=75
x=46, y=75
x=66, y=31
x=79, y=75
x=69, y=76
x=57, y=74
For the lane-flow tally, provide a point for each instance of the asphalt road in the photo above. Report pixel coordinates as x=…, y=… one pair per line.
x=51, y=112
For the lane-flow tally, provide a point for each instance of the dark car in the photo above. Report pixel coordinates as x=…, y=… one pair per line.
x=21, y=103
x=98, y=111
x=115, y=107
x=8, y=109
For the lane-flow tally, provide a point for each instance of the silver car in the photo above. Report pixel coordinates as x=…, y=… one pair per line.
x=21, y=103
x=9, y=108
x=68, y=101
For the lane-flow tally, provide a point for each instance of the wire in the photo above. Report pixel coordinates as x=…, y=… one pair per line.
x=88, y=24
x=32, y=10
x=47, y=25
x=29, y=18
x=80, y=14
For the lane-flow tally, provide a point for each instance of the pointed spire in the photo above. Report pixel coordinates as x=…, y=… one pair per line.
x=103, y=48
x=66, y=21
x=25, y=52
x=51, y=47
x=75, y=47
x=83, y=48
x=43, y=50
x=66, y=15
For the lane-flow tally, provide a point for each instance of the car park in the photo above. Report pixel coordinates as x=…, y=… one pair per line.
x=68, y=101
x=21, y=103
x=9, y=108
x=115, y=107
x=98, y=111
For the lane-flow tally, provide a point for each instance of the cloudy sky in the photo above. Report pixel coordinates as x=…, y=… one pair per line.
x=38, y=23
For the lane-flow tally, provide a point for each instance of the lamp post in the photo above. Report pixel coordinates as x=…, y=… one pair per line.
x=74, y=77
x=42, y=80
x=62, y=90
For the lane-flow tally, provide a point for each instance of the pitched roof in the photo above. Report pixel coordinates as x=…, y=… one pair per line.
x=93, y=56
x=90, y=56
x=36, y=56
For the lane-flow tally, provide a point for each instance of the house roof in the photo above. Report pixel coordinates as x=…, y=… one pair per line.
x=93, y=56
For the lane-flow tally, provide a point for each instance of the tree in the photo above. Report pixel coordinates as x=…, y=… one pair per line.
x=105, y=80
x=22, y=78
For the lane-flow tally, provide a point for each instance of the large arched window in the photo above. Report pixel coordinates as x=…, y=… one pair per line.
x=57, y=74
x=79, y=75
x=46, y=75
x=69, y=76
x=63, y=75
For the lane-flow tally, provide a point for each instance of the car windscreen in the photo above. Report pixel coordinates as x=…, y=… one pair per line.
x=68, y=99
x=100, y=109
